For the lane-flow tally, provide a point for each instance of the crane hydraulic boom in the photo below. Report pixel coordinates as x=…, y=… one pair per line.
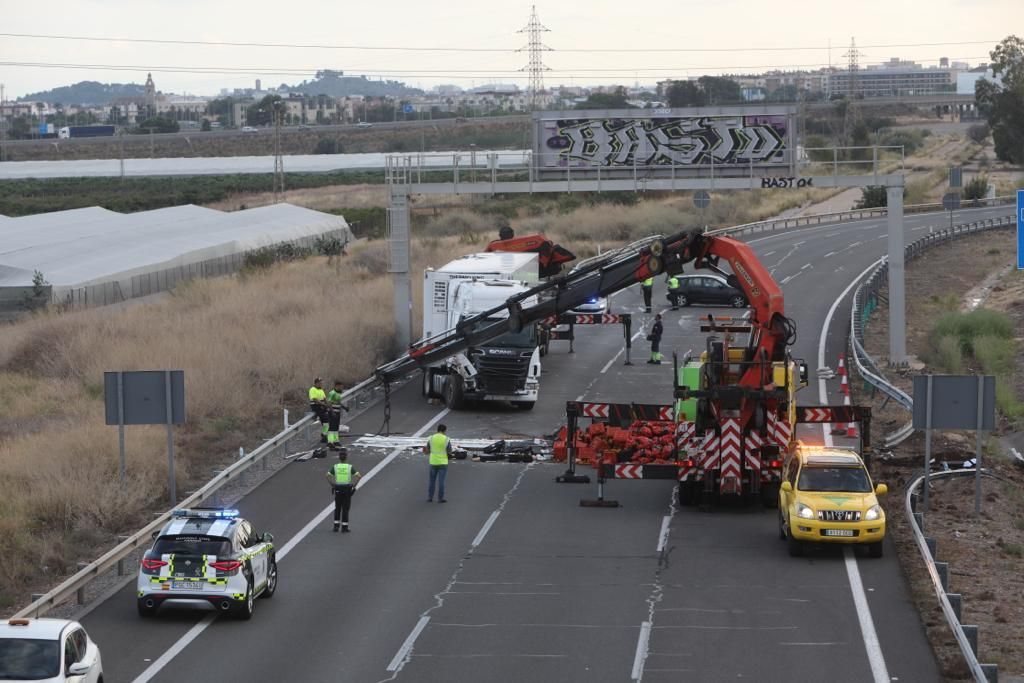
x=771, y=330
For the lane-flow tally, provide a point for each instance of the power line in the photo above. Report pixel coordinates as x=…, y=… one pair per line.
x=469, y=73
x=406, y=48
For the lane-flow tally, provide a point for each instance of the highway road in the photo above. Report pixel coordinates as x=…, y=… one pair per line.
x=192, y=166
x=512, y=580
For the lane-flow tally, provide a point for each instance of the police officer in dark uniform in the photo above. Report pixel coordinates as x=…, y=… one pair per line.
x=343, y=478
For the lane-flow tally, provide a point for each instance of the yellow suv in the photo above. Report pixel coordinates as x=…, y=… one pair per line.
x=827, y=497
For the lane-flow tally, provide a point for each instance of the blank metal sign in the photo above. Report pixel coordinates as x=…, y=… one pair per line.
x=145, y=397
x=954, y=402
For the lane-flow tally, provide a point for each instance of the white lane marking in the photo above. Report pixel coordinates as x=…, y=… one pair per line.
x=768, y=253
x=398, y=661
x=867, y=625
x=790, y=277
x=822, y=387
x=833, y=234
x=663, y=535
x=641, y=650
x=797, y=244
x=831, y=253
x=822, y=643
x=485, y=528
x=806, y=266
x=194, y=632
x=609, y=363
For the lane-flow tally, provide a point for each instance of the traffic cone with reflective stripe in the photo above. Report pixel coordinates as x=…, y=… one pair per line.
x=844, y=386
x=851, y=427
x=842, y=365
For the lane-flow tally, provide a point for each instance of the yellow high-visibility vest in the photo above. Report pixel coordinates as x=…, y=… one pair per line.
x=438, y=449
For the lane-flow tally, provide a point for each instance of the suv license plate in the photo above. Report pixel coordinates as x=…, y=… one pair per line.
x=187, y=585
x=839, y=532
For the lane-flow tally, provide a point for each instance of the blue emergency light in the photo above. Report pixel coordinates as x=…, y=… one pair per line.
x=206, y=513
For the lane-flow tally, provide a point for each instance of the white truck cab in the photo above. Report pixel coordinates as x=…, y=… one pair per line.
x=506, y=368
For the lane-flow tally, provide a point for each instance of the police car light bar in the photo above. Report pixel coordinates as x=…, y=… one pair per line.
x=205, y=513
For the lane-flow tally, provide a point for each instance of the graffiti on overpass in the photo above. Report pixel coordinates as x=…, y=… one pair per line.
x=656, y=141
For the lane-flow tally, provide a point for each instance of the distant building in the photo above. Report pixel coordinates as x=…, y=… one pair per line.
x=894, y=78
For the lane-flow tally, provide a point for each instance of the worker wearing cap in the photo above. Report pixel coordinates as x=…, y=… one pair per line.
x=655, y=338
x=647, y=287
x=318, y=405
x=343, y=478
x=334, y=408
x=673, y=291
x=438, y=448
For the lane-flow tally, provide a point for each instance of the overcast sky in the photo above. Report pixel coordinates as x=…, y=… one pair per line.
x=722, y=34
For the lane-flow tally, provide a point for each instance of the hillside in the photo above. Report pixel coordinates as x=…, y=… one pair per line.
x=87, y=93
x=336, y=84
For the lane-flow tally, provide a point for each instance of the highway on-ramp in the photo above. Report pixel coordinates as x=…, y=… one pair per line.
x=512, y=580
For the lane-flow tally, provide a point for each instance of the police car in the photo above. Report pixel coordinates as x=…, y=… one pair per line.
x=208, y=558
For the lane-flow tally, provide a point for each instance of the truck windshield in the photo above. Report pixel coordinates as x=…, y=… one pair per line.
x=837, y=479
x=525, y=339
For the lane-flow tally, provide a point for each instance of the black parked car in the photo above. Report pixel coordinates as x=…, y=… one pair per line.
x=708, y=289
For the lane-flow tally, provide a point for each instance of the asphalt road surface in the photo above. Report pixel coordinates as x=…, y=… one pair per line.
x=512, y=580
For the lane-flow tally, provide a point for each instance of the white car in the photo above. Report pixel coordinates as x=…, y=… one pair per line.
x=364, y=124
x=250, y=129
x=48, y=650
x=208, y=558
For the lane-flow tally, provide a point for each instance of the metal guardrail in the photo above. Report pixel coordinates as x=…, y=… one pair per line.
x=982, y=673
x=866, y=296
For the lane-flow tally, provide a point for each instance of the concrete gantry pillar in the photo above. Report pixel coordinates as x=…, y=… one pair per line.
x=398, y=263
x=897, y=294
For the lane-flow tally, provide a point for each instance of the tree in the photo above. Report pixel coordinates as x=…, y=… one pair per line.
x=685, y=94
x=601, y=100
x=873, y=196
x=158, y=125
x=262, y=113
x=1003, y=105
x=205, y=126
x=719, y=90
x=976, y=188
x=787, y=93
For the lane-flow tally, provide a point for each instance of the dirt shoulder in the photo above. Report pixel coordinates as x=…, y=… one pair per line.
x=986, y=553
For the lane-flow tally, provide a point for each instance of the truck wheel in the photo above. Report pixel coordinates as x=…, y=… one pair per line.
x=796, y=548
x=782, y=527
x=425, y=387
x=524, y=405
x=875, y=549
x=453, y=396
x=738, y=302
x=686, y=494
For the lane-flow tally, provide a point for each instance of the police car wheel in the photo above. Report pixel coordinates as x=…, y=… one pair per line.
x=245, y=609
x=146, y=610
x=268, y=592
x=682, y=300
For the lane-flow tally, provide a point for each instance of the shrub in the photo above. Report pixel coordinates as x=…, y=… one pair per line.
x=873, y=196
x=327, y=146
x=966, y=327
x=946, y=355
x=976, y=188
x=978, y=133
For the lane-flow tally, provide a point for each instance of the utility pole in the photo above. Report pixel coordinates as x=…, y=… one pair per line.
x=3, y=126
x=277, y=111
x=535, y=66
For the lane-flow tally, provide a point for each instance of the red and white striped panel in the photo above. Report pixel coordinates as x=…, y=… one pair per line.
x=595, y=409
x=708, y=455
x=751, y=443
x=684, y=433
x=629, y=472
x=685, y=473
x=731, y=449
x=779, y=429
x=666, y=413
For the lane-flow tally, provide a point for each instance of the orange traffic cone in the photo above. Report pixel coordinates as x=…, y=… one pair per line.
x=842, y=365
x=851, y=427
x=844, y=386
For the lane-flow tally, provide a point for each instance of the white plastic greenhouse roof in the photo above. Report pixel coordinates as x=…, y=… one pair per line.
x=88, y=246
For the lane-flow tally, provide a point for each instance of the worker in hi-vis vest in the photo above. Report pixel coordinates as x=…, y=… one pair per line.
x=647, y=287
x=334, y=408
x=438, y=449
x=343, y=478
x=318, y=406
x=673, y=291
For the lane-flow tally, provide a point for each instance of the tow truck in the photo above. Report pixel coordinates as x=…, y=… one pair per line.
x=736, y=410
